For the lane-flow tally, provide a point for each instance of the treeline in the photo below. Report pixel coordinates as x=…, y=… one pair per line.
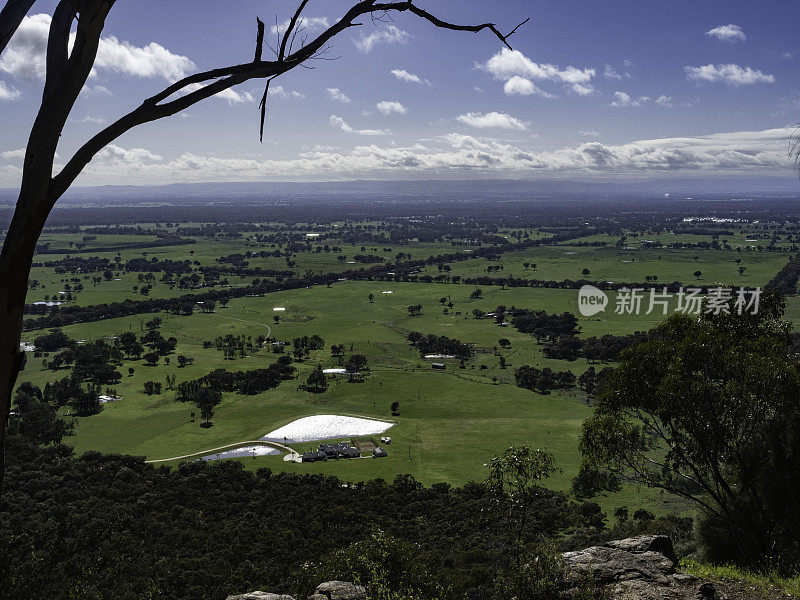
x=545, y=380
x=161, y=242
x=439, y=344
x=249, y=382
x=785, y=280
x=605, y=348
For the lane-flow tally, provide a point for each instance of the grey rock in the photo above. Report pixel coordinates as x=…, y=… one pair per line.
x=340, y=590
x=639, y=568
x=646, y=543
x=608, y=565
x=260, y=596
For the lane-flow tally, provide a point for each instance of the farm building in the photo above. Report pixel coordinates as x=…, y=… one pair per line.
x=379, y=453
x=314, y=456
x=438, y=366
x=338, y=450
x=350, y=453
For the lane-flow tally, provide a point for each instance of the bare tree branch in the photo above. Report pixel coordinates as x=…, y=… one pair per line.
x=10, y=18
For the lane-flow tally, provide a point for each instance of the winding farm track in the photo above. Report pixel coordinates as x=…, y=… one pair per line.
x=227, y=447
x=269, y=329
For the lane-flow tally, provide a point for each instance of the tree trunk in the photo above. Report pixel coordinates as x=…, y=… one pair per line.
x=15, y=264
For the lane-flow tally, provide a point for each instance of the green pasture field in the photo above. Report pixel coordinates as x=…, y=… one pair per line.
x=555, y=263
x=451, y=422
x=741, y=237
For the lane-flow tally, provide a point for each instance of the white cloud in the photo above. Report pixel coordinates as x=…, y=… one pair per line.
x=89, y=119
x=337, y=94
x=387, y=107
x=8, y=93
x=280, y=92
x=509, y=63
x=744, y=151
x=340, y=123
x=97, y=89
x=611, y=73
x=582, y=90
x=623, y=100
x=788, y=55
x=589, y=133
x=404, y=75
x=524, y=87
x=731, y=74
x=727, y=33
x=15, y=154
x=152, y=60
x=304, y=23
x=24, y=57
x=117, y=154
x=664, y=100
x=389, y=35
x=491, y=119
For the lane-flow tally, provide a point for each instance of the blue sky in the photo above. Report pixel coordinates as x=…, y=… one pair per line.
x=615, y=89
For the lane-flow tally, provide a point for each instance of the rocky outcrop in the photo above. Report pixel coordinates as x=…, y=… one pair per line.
x=260, y=596
x=330, y=590
x=639, y=568
x=339, y=590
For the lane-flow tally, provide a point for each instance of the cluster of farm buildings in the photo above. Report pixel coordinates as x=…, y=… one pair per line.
x=343, y=450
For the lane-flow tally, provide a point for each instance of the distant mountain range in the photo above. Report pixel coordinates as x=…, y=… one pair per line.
x=464, y=189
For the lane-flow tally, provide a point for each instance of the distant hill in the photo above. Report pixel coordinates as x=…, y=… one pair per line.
x=462, y=189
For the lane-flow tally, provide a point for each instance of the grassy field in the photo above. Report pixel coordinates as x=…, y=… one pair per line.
x=451, y=422
x=555, y=263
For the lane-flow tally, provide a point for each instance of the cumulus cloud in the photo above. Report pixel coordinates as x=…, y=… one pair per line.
x=506, y=64
x=524, y=87
x=623, y=100
x=280, y=92
x=387, y=107
x=337, y=94
x=731, y=74
x=404, y=75
x=340, y=123
x=389, y=35
x=664, y=100
x=8, y=93
x=24, y=57
x=117, y=154
x=727, y=33
x=745, y=151
x=13, y=154
x=491, y=119
x=582, y=90
x=307, y=23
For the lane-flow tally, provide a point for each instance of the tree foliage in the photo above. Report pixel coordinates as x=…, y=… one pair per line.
x=708, y=409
